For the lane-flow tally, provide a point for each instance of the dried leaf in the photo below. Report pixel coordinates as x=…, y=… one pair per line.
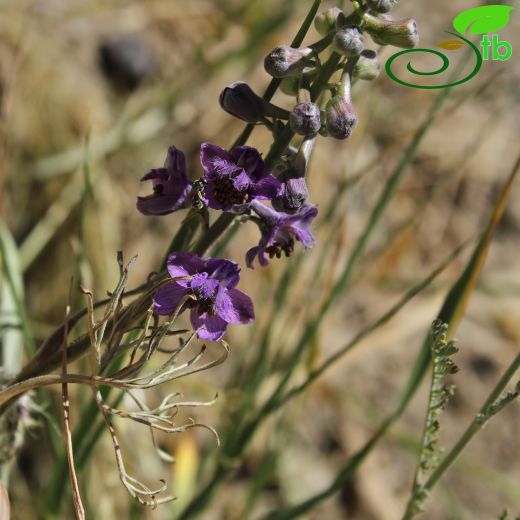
x=5, y=508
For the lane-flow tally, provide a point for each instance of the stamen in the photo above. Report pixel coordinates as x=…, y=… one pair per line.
x=227, y=195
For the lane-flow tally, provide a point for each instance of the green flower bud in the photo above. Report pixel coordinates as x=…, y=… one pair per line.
x=367, y=66
x=341, y=117
x=325, y=22
x=348, y=41
x=381, y=6
x=305, y=119
x=400, y=33
x=286, y=61
x=289, y=85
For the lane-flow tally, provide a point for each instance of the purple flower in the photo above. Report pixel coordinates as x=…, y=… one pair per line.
x=279, y=232
x=209, y=291
x=234, y=179
x=171, y=186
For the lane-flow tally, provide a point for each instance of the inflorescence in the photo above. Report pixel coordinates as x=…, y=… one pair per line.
x=238, y=182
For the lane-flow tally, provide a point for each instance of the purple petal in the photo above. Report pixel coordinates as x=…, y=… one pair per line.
x=242, y=181
x=208, y=327
x=184, y=264
x=171, y=186
x=234, y=306
x=168, y=297
x=249, y=159
x=209, y=196
x=270, y=216
x=268, y=188
x=252, y=253
x=160, y=174
x=159, y=205
x=225, y=271
x=216, y=161
x=175, y=164
x=304, y=236
x=203, y=286
x=300, y=225
x=307, y=213
x=250, y=257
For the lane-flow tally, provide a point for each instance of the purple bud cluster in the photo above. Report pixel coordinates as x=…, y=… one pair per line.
x=238, y=182
x=298, y=68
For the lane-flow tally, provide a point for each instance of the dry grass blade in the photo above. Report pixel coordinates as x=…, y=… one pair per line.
x=144, y=495
x=76, y=496
x=5, y=506
x=458, y=297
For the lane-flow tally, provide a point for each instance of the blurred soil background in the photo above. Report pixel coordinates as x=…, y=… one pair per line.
x=93, y=92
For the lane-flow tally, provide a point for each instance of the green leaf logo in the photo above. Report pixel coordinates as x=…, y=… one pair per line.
x=480, y=20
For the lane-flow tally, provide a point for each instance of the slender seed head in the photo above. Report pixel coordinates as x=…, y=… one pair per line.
x=325, y=22
x=367, y=67
x=348, y=41
x=286, y=61
x=239, y=100
x=381, y=6
x=305, y=119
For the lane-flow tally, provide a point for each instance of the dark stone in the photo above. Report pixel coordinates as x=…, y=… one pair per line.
x=126, y=61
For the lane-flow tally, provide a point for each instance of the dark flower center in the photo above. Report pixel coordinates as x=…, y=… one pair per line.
x=158, y=189
x=202, y=302
x=206, y=305
x=226, y=194
x=278, y=248
x=203, y=305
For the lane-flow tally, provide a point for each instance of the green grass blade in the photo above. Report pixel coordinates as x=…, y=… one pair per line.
x=11, y=332
x=12, y=271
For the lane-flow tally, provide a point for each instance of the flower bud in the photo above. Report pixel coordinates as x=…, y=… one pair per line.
x=286, y=61
x=341, y=117
x=293, y=197
x=294, y=193
x=381, y=6
x=239, y=100
x=289, y=85
x=367, y=66
x=305, y=119
x=400, y=33
x=348, y=41
x=325, y=22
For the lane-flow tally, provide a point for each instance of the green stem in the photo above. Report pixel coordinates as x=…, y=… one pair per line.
x=214, y=232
